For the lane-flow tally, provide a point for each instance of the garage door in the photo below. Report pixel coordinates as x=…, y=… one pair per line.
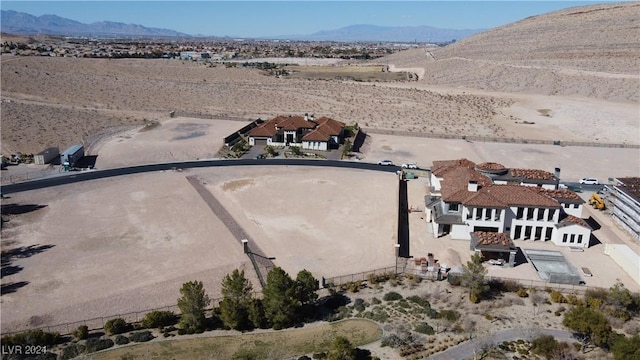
x=260, y=142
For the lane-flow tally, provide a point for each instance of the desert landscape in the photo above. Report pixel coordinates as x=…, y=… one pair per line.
x=126, y=244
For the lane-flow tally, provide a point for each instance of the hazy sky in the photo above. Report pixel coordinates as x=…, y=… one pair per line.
x=270, y=18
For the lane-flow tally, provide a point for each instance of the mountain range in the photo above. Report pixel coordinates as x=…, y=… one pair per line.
x=25, y=24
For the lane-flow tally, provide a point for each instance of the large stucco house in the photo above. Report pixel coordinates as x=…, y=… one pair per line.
x=305, y=131
x=468, y=201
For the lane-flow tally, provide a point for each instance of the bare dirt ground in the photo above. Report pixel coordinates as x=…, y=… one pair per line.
x=127, y=244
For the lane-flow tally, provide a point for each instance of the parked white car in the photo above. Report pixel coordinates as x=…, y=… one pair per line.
x=410, y=166
x=385, y=162
x=589, y=181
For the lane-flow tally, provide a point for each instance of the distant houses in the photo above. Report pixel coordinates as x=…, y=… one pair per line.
x=306, y=132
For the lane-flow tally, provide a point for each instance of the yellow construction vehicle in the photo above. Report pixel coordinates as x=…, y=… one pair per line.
x=597, y=202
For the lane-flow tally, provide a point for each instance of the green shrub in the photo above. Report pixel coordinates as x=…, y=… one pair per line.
x=391, y=296
x=522, y=292
x=32, y=337
x=420, y=301
x=375, y=301
x=122, y=340
x=94, y=344
x=450, y=315
x=358, y=305
x=141, y=336
x=557, y=297
x=81, y=332
x=71, y=351
x=424, y=328
x=488, y=316
x=116, y=326
x=159, y=319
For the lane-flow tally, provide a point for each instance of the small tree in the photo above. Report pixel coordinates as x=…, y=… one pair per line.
x=234, y=307
x=591, y=323
x=256, y=314
x=116, y=326
x=279, y=299
x=473, y=277
x=625, y=348
x=82, y=332
x=295, y=150
x=271, y=151
x=192, y=305
x=341, y=349
x=346, y=148
x=619, y=301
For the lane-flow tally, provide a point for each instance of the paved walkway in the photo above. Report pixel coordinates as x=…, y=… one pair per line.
x=260, y=261
x=467, y=349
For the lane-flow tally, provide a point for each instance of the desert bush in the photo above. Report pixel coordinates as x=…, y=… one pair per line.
x=359, y=305
x=450, y=315
x=391, y=296
x=95, y=344
x=32, y=337
x=474, y=298
x=71, y=351
x=320, y=355
x=488, y=316
x=116, y=326
x=425, y=328
x=122, y=340
x=557, y=297
x=141, y=336
x=81, y=332
x=420, y=301
x=375, y=301
x=522, y=292
x=159, y=319
x=354, y=286
x=572, y=299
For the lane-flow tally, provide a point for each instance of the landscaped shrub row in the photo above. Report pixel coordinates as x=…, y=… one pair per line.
x=32, y=337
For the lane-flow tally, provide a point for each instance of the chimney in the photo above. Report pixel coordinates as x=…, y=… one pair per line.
x=473, y=186
x=306, y=116
x=556, y=174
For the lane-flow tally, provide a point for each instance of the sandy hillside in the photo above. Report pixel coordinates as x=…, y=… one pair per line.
x=587, y=51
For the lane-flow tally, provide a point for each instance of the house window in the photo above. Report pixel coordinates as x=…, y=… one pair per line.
x=487, y=214
x=540, y=214
x=579, y=239
x=520, y=213
x=552, y=212
x=573, y=238
x=517, y=232
x=454, y=207
x=564, y=238
x=548, y=234
x=538, y=235
x=478, y=213
x=529, y=214
x=469, y=213
x=497, y=214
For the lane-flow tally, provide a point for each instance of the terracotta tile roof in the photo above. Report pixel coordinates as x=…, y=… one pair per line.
x=293, y=123
x=514, y=195
x=333, y=127
x=456, y=180
x=268, y=129
x=630, y=186
x=318, y=134
x=531, y=174
x=572, y=220
x=440, y=167
x=562, y=195
x=490, y=166
x=492, y=240
x=484, y=199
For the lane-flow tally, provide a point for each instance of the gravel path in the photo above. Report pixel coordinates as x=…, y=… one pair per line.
x=261, y=262
x=467, y=349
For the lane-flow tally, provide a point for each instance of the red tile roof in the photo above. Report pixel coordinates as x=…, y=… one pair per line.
x=512, y=195
x=268, y=129
x=332, y=127
x=571, y=220
x=560, y=194
x=318, y=134
x=326, y=126
x=490, y=166
x=440, y=167
x=492, y=240
x=531, y=174
x=456, y=181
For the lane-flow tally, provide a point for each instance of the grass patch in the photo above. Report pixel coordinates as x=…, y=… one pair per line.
x=284, y=344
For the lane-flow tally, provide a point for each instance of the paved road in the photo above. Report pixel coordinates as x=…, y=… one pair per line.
x=100, y=174
x=467, y=349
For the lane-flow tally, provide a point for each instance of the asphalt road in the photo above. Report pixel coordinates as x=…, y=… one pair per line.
x=476, y=346
x=75, y=176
